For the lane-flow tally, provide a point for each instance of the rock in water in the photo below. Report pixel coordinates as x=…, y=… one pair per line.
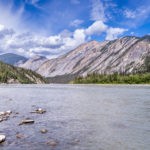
x=5, y=115
x=39, y=111
x=2, y=138
x=27, y=121
x=8, y=112
x=19, y=136
x=52, y=143
x=44, y=131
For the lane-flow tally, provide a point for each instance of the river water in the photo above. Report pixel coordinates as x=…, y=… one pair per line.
x=78, y=117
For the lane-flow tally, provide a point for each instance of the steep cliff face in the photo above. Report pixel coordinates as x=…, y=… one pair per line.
x=126, y=55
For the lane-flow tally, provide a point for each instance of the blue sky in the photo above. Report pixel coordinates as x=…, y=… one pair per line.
x=54, y=27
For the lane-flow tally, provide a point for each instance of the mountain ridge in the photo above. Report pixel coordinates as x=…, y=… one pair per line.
x=12, y=59
x=123, y=55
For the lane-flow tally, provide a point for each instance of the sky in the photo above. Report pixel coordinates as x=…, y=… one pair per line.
x=54, y=27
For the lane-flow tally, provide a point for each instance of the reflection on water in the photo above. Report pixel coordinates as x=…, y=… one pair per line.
x=78, y=117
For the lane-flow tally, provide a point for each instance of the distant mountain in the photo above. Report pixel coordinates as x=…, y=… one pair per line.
x=10, y=74
x=12, y=59
x=34, y=63
x=124, y=55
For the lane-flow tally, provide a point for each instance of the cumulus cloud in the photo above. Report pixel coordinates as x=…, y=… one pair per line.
x=113, y=33
x=96, y=28
x=29, y=44
x=76, y=23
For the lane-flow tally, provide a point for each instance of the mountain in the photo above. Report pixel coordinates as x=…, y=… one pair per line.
x=34, y=63
x=123, y=55
x=12, y=59
x=11, y=74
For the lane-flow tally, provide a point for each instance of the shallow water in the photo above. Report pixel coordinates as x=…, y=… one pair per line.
x=78, y=117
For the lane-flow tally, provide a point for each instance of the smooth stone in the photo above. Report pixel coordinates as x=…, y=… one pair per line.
x=2, y=138
x=44, y=130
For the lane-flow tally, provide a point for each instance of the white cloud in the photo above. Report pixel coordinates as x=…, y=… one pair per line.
x=98, y=11
x=66, y=33
x=138, y=16
x=76, y=23
x=113, y=33
x=29, y=44
x=9, y=19
x=2, y=27
x=4, y=32
x=96, y=28
x=34, y=3
x=130, y=14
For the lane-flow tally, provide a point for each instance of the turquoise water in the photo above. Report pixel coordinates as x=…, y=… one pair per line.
x=78, y=117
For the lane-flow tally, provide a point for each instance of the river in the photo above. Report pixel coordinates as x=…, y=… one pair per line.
x=78, y=117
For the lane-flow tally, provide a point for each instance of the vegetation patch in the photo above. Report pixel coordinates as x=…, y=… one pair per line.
x=141, y=78
x=11, y=74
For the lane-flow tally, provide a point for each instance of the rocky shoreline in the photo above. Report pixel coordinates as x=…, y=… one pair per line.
x=5, y=115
